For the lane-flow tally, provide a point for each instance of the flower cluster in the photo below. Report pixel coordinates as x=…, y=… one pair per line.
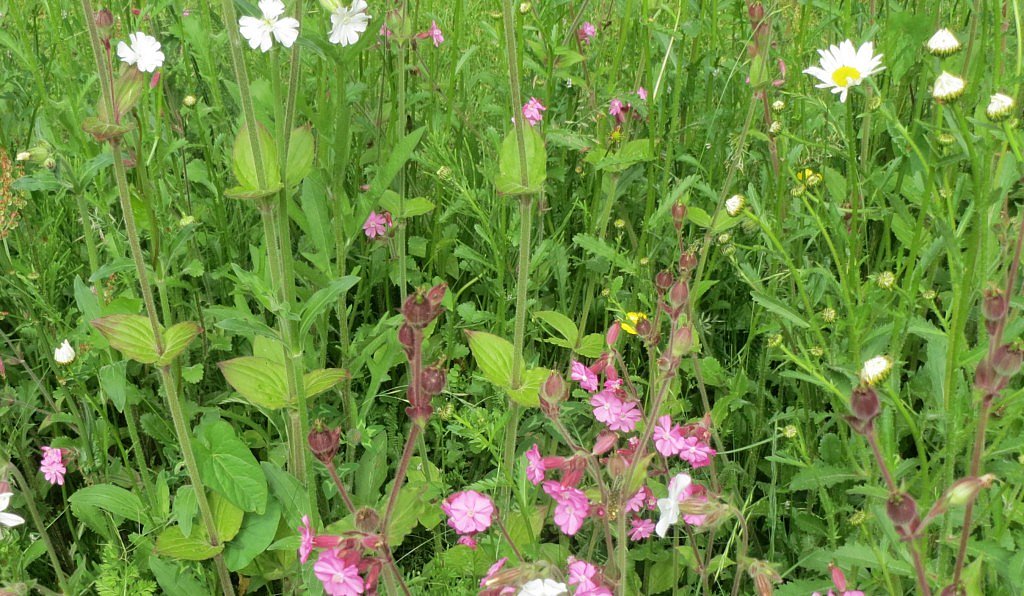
x=688, y=442
x=52, y=465
x=532, y=111
x=581, y=577
x=347, y=25
x=346, y=566
x=612, y=405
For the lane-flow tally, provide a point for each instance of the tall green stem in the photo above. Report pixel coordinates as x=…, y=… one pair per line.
x=37, y=520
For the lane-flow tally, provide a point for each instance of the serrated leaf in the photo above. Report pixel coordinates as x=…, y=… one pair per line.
x=228, y=467
x=172, y=543
x=318, y=381
x=301, y=150
x=820, y=476
x=176, y=339
x=131, y=335
x=244, y=164
x=510, y=173
x=493, y=355
x=258, y=380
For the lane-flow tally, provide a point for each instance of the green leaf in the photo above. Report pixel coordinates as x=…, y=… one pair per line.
x=529, y=394
x=176, y=339
x=226, y=517
x=228, y=467
x=288, y=491
x=391, y=202
x=561, y=323
x=172, y=543
x=600, y=248
x=323, y=299
x=185, y=508
x=400, y=154
x=87, y=502
x=258, y=380
x=301, y=149
x=774, y=305
x=244, y=164
x=820, y=476
x=318, y=381
x=510, y=173
x=372, y=470
x=257, y=533
x=251, y=194
x=493, y=356
x=114, y=384
x=131, y=335
x=175, y=580
x=630, y=153
x=591, y=346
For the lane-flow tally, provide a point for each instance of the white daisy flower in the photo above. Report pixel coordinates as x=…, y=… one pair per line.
x=843, y=67
x=64, y=354
x=875, y=370
x=144, y=52
x=8, y=519
x=943, y=43
x=260, y=33
x=543, y=587
x=734, y=205
x=347, y=24
x=999, y=107
x=948, y=87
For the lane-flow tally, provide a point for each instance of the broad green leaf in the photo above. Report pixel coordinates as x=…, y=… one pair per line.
x=630, y=153
x=562, y=324
x=244, y=164
x=185, y=508
x=820, y=476
x=600, y=248
x=257, y=533
x=301, y=148
x=226, y=517
x=131, y=335
x=591, y=346
x=87, y=502
x=176, y=339
x=251, y=194
x=288, y=491
x=529, y=394
x=172, y=543
x=258, y=380
x=510, y=173
x=318, y=381
x=114, y=384
x=173, y=579
x=372, y=470
x=493, y=356
x=391, y=202
x=323, y=299
x=399, y=154
x=228, y=467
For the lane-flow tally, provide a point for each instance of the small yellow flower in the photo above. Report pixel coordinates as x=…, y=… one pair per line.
x=809, y=177
x=875, y=370
x=632, y=318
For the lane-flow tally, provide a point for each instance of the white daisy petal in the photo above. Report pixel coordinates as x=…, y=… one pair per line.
x=843, y=66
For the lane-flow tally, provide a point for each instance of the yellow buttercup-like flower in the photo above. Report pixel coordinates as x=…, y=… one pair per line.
x=632, y=318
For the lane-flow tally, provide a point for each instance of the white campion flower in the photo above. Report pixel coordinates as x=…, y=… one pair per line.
x=948, y=87
x=543, y=587
x=943, y=43
x=669, y=506
x=347, y=24
x=8, y=519
x=260, y=32
x=999, y=107
x=144, y=52
x=842, y=67
x=64, y=354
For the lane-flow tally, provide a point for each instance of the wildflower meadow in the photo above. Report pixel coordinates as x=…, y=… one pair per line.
x=445, y=297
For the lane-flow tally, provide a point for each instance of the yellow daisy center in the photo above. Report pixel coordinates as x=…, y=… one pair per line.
x=844, y=75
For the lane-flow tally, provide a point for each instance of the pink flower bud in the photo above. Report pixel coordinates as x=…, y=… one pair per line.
x=902, y=511
x=553, y=391
x=687, y=261
x=966, y=490
x=612, y=335
x=1006, y=361
x=324, y=442
x=432, y=380
x=682, y=341
x=995, y=306
x=678, y=215
x=663, y=281
x=679, y=294
x=604, y=442
x=368, y=520
x=436, y=294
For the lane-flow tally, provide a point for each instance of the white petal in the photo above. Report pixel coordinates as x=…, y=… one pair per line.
x=5, y=500
x=271, y=9
x=10, y=520
x=286, y=31
x=125, y=53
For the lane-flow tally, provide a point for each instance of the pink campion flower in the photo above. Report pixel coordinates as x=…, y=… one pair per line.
x=384, y=31
x=642, y=93
x=535, y=465
x=840, y=582
x=469, y=512
x=626, y=417
x=52, y=465
x=640, y=528
x=581, y=574
x=573, y=507
x=532, y=111
x=586, y=377
x=668, y=438
x=435, y=34
x=377, y=224
x=586, y=32
x=339, y=572
x=699, y=454
x=467, y=540
x=640, y=500
x=494, y=569
x=615, y=108
x=306, y=546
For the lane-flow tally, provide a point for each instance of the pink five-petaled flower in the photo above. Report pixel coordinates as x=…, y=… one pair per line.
x=581, y=574
x=642, y=93
x=668, y=438
x=840, y=581
x=435, y=34
x=377, y=224
x=606, y=405
x=573, y=506
x=306, y=546
x=640, y=528
x=586, y=377
x=469, y=512
x=626, y=418
x=52, y=465
x=697, y=453
x=339, y=572
x=640, y=500
x=535, y=465
x=532, y=111
x=586, y=32
x=615, y=108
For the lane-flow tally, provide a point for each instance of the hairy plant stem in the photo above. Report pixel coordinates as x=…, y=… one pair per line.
x=37, y=520
x=341, y=488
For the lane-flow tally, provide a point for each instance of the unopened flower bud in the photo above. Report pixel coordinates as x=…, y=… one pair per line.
x=612, y=335
x=104, y=21
x=644, y=328
x=864, y=404
x=367, y=520
x=943, y=43
x=902, y=510
x=553, y=390
x=421, y=308
x=734, y=205
x=994, y=306
x=687, y=261
x=778, y=105
x=965, y=490
x=999, y=107
x=1006, y=360
x=682, y=341
x=436, y=294
x=617, y=465
x=432, y=380
x=679, y=294
x=663, y=281
x=604, y=441
x=189, y=101
x=407, y=337
x=678, y=215
x=987, y=380
x=324, y=442
x=764, y=575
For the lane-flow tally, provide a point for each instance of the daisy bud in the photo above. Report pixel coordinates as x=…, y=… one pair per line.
x=524, y=7
x=945, y=139
x=734, y=205
x=943, y=43
x=886, y=280
x=189, y=101
x=324, y=442
x=64, y=354
x=902, y=510
x=50, y=164
x=678, y=215
x=828, y=314
x=999, y=107
x=948, y=88
x=775, y=127
x=778, y=105
x=875, y=370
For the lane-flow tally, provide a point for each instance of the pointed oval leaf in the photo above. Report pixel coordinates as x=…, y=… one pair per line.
x=131, y=335
x=176, y=339
x=510, y=176
x=112, y=499
x=493, y=355
x=226, y=517
x=529, y=394
x=301, y=148
x=228, y=466
x=259, y=380
x=172, y=543
x=251, y=194
x=244, y=164
x=318, y=381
